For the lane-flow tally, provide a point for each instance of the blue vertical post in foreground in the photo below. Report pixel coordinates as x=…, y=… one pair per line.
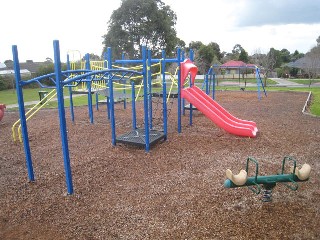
x=133, y=102
x=191, y=108
x=22, y=113
x=149, y=77
x=145, y=98
x=111, y=100
x=164, y=95
x=105, y=65
x=179, y=89
x=125, y=83
x=62, y=117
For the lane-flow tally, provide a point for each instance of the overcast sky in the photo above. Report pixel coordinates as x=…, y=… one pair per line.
x=32, y=25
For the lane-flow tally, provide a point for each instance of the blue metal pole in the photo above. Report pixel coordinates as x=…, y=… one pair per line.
x=105, y=65
x=258, y=82
x=164, y=95
x=89, y=89
x=149, y=87
x=179, y=60
x=124, y=88
x=97, y=101
x=206, y=79
x=22, y=114
x=133, y=100
x=70, y=91
x=111, y=104
x=145, y=97
x=63, y=125
x=190, y=84
x=213, y=84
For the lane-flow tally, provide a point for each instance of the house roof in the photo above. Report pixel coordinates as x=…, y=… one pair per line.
x=10, y=72
x=303, y=62
x=33, y=67
x=233, y=64
x=237, y=64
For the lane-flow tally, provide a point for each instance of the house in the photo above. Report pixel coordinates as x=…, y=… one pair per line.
x=27, y=69
x=233, y=69
x=306, y=65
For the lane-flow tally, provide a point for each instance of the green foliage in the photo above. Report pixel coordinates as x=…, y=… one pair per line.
x=236, y=51
x=47, y=68
x=141, y=22
x=7, y=82
x=206, y=54
x=93, y=57
x=194, y=45
x=243, y=56
x=216, y=49
x=284, y=56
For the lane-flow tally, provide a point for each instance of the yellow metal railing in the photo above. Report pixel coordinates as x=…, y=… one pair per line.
x=31, y=113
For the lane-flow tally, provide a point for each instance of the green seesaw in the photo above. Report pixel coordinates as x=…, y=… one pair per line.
x=268, y=182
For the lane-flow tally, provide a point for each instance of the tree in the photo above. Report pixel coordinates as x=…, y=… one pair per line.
x=141, y=22
x=269, y=63
x=8, y=62
x=258, y=58
x=285, y=56
x=236, y=51
x=92, y=57
x=181, y=43
x=216, y=49
x=195, y=45
x=313, y=63
x=296, y=55
x=243, y=56
x=205, y=56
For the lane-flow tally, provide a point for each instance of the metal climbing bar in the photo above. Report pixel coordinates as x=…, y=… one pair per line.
x=22, y=113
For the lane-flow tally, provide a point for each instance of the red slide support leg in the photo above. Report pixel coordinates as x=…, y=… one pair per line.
x=2, y=107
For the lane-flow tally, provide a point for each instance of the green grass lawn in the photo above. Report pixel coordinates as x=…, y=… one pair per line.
x=29, y=94
x=305, y=81
x=315, y=105
x=9, y=96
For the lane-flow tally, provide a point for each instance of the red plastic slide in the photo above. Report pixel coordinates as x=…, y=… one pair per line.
x=217, y=114
x=2, y=107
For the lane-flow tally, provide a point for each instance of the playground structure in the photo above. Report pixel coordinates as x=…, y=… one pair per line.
x=72, y=78
x=2, y=107
x=95, y=77
x=268, y=182
x=214, y=111
x=16, y=127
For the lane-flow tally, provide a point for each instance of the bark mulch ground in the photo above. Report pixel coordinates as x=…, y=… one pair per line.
x=173, y=192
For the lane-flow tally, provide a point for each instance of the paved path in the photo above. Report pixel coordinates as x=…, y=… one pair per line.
x=286, y=83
